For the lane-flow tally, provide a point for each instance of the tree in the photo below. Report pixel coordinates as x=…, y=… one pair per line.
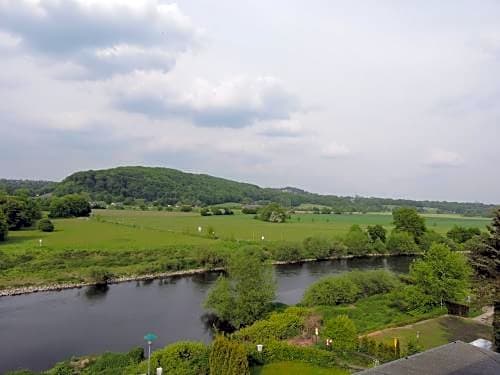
x=70, y=206
x=407, y=219
x=357, y=241
x=244, y=295
x=45, y=225
x=485, y=259
x=228, y=357
x=342, y=331
x=377, y=232
x=442, y=274
x=461, y=234
x=4, y=227
x=401, y=243
x=19, y=212
x=272, y=213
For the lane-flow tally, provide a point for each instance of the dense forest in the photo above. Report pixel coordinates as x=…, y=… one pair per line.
x=31, y=187
x=169, y=186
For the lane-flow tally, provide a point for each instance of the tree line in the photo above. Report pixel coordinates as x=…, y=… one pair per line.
x=164, y=186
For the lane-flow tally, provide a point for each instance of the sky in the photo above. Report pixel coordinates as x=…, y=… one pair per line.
x=373, y=98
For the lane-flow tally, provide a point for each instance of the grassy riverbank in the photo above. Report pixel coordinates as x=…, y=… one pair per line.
x=129, y=243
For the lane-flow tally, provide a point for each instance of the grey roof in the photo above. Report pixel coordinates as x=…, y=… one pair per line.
x=456, y=358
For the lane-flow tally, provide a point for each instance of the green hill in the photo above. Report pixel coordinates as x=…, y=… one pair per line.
x=170, y=186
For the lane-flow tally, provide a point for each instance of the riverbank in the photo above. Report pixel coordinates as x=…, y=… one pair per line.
x=9, y=292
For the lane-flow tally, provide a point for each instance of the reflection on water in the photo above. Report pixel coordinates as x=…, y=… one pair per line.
x=96, y=292
x=57, y=325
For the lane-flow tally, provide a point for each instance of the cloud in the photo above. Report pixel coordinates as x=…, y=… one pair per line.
x=440, y=158
x=335, y=150
x=233, y=103
x=103, y=37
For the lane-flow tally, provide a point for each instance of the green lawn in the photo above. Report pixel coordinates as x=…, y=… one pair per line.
x=296, y=368
x=437, y=332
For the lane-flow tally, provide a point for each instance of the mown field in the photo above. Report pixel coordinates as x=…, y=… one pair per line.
x=128, y=242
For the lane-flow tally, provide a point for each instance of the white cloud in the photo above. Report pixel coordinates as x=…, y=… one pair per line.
x=103, y=37
x=335, y=150
x=234, y=103
x=440, y=158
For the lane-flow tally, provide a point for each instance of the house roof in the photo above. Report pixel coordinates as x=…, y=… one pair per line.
x=456, y=358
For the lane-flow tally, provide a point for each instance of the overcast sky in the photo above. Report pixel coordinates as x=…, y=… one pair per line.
x=376, y=98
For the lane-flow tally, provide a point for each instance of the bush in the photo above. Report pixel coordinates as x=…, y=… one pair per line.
x=272, y=213
x=279, y=351
x=100, y=276
x=349, y=287
x=228, y=358
x=186, y=208
x=112, y=363
x=411, y=298
x=278, y=326
x=45, y=225
x=317, y=247
x=401, y=243
x=69, y=206
x=331, y=290
x=181, y=358
x=287, y=251
x=205, y=212
x=357, y=241
x=249, y=210
x=343, y=332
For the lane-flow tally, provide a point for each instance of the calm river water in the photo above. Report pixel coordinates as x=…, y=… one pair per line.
x=37, y=330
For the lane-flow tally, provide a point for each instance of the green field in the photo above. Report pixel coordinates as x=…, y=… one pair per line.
x=129, y=242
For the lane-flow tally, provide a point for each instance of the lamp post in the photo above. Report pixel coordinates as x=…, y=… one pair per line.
x=150, y=337
x=316, y=333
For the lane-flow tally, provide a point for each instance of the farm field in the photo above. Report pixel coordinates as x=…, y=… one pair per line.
x=128, y=229
x=245, y=227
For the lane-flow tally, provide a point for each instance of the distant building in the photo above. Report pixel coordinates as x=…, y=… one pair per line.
x=456, y=358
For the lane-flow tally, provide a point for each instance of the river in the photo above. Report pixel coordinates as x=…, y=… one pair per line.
x=37, y=330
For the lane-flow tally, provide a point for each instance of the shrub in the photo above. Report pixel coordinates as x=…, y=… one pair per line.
x=279, y=351
x=249, y=210
x=186, y=208
x=272, y=213
x=287, y=251
x=357, y=241
x=100, y=276
x=401, y=243
x=45, y=225
x=69, y=206
x=411, y=298
x=317, y=247
x=349, y=287
x=112, y=363
x=278, y=326
x=205, y=212
x=228, y=358
x=342, y=331
x=181, y=358
x=331, y=291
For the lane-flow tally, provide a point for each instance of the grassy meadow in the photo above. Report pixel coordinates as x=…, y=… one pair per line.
x=129, y=242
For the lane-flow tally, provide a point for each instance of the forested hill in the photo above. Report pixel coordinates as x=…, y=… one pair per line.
x=31, y=187
x=170, y=186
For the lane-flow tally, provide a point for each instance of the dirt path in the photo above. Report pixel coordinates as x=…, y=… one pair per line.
x=486, y=317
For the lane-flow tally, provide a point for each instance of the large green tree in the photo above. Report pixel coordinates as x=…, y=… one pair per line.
x=442, y=274
x=485, y=259
x=72, y=205
x=243, y=296
x=4, y=227
x=407, y=219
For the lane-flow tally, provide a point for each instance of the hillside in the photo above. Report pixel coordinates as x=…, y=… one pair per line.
x=170, y=186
